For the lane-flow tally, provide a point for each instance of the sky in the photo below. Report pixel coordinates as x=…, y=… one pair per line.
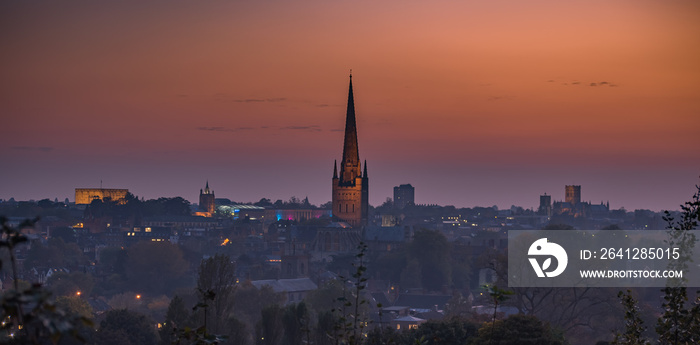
x=474, y=103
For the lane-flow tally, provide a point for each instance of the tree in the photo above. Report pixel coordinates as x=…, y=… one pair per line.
x=296, y=324
x=519, y=330
x=264, y=202
x=237, y=332
x=325, y=297
x=452, y=331
x=680, y=324
x=432, y=251
x=251, y=300
x=29, y=316
x=55, y=254
x=411, y=276
x=351, y=315
x=130, y=328
x=65, y=233
x=76, y=306
x=326, y=332
x=460, y=257
x=389, y=265
x=269, y=330
x=634, y=326
x=217, y=275
x=200, y=335
x=113, y=259
x=177, y=316
x=497, y=296
x=71, y=284
x=155, y=267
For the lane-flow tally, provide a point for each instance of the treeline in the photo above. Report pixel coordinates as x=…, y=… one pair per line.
x=131, y=207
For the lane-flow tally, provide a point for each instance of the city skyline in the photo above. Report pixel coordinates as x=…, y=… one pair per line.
x=474, y=104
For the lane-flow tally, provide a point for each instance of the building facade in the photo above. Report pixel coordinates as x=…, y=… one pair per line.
x=545, y=208
x=572, y=195
x=404, y=195
x=85, y=196
x=207, y=201
x=350, y=183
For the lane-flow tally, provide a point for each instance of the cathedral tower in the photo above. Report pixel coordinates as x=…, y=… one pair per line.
x=207, y=201
x=350, y=183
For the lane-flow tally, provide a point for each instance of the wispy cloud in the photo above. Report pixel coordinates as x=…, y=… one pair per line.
x=260, y=100
x=215, y=129
x=591, y=83
x=225, y=97
x=313, y=128
x=228, y=129
x=500, y=98
x=32, y=148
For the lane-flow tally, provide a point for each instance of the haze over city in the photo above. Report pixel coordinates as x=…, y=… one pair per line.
x=473, y=103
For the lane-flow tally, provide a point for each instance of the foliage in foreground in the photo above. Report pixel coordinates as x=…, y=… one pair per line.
x=29, y=315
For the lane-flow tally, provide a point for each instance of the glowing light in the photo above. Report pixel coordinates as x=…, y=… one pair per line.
x=78, y=293
x=138, y=296
x=225, y=242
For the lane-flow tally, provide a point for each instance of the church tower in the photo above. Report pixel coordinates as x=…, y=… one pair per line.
x=207, y=200
x=350, y=183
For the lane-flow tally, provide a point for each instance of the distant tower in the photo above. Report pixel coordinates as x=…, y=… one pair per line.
x=404, y=195
x=573, y=195
x=206, y=200
x=351, y=185
x=545, y=205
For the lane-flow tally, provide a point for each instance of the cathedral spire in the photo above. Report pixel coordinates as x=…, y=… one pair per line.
x=350, y=165
x=350, y=202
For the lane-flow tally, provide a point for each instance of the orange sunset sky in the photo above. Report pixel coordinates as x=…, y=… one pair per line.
x=473, y=102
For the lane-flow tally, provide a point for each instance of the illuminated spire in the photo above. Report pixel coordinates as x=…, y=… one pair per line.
x=350, y=165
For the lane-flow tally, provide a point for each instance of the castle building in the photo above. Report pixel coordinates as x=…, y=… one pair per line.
x=84, y=196
x=404, y=195
x=207, y=200
x=350, y=184
x=545, y=208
